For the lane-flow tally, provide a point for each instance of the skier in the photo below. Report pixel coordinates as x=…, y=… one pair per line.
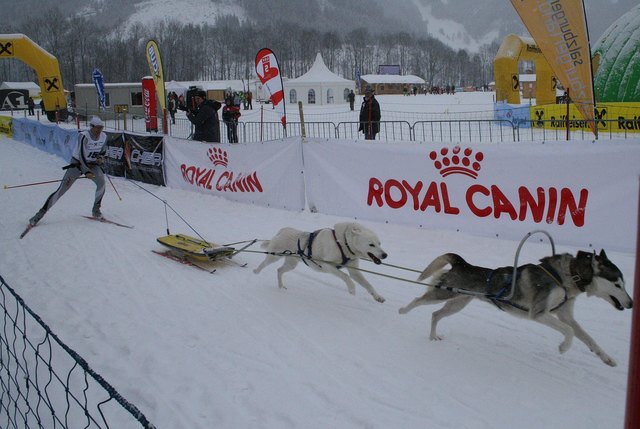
x=87, y=159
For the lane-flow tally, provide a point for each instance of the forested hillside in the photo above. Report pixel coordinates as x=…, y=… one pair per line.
x=428, y=38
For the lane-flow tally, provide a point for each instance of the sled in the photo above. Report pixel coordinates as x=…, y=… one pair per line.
x=196, y=249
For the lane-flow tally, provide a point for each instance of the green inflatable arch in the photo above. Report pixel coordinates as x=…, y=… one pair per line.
x=616, y=60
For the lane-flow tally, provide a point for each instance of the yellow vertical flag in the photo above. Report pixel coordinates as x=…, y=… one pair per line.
x=559, y=28
x=155, y=65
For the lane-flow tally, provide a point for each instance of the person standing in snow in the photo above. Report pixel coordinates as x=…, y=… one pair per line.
x=87, y=160
x=204, y=117
x=173, y=106
x=369, y=115
x=230, y=115
x=31, y=105
x=352, y=99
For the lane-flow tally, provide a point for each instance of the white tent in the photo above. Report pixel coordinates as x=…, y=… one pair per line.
x=178, y=87
x=33, y=88
x=318, y=86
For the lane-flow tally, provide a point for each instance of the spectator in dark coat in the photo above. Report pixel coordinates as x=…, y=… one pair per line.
x=204, y=117
x=352, y=99
x=31, y=105
x=172, y=106
x=369, y=115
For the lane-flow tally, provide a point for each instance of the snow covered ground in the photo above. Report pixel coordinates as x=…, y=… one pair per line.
x=231, y=350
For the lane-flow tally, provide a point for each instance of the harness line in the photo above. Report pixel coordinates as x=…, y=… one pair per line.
x=492, y=297
x=300, y=254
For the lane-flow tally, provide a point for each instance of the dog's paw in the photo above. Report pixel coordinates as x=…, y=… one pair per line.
x=608, y=360
x=379, y=298
x=403, y=310
x=256, y=271
x=434, y=337
x=565, y=345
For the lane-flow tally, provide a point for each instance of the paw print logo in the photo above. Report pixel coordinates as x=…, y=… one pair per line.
x=218, y=156
x=457, y=161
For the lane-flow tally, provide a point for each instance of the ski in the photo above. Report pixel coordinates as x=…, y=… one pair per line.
x=167, y=254
x=103, y=220
x=27, y=229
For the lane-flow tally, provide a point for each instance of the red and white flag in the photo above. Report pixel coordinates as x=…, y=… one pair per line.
x=269, y=74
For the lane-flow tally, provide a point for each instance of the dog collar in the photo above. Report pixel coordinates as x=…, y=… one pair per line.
x=577, y=274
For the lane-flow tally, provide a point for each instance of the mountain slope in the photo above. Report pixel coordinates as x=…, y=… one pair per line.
x=461, y=24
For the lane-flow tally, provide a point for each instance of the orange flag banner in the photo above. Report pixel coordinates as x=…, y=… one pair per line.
x=559, y=28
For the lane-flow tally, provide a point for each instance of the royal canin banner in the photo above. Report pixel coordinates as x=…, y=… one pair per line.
x=149, y=103
x=581, y=193
x=267, y=174
x=270, y=76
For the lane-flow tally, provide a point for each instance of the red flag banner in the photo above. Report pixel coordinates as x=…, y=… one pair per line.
x=269, y=74
x=559, y=28
x=149, y=102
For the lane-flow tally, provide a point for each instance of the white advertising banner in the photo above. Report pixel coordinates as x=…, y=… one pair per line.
x=582, y=193
x=268, y=174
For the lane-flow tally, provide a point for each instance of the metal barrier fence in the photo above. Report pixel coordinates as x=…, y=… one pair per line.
x=556, y=130
x=464, y=131
x=45, y=384
x=459, y=130
x=468, y=130
x=389, y=130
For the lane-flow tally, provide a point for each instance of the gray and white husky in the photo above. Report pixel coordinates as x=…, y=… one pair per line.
x=544, y=293
x=327, y=250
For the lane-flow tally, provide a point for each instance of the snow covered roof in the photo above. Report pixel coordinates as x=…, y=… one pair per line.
x=20, y=85
x=180, y=86
x=392, y=78
x=319, y=73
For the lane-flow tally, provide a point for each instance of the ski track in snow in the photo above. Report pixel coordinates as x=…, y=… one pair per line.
x=231, y=350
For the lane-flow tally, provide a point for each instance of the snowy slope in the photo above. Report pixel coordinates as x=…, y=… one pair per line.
x=196, y=12
x=460, y=24
x=231, y=350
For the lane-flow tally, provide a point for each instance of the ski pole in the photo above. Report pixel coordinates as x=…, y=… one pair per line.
x=112, y=185
x=34, y=184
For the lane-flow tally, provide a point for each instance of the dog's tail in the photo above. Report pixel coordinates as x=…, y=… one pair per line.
x=438, y=264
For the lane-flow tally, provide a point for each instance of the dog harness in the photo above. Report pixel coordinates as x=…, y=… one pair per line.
x=309, y=253
x=344, y=257
x=497, y=299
